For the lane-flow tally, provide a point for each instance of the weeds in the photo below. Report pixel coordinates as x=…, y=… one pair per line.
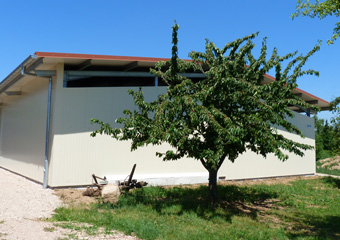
x=327, y=170
x=49, y=229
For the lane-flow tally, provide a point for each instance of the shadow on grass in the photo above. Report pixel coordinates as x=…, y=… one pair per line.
x=334, y=182
x=233, y=200
x=327, y=227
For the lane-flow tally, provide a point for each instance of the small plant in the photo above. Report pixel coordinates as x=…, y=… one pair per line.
x=71, y=236
x=49, y=229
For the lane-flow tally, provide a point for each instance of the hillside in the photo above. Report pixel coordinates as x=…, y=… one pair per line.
x=329, y=165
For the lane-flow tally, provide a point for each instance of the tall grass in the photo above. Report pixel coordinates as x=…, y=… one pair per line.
x=304, y=209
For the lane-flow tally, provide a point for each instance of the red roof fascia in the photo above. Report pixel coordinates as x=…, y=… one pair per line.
x=98, y=57
x=301, y=91
x=311, y=95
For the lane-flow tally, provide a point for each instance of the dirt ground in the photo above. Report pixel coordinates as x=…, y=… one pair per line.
x=267, y=181
x=75, y=196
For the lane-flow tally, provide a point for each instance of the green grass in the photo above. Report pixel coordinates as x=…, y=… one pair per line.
x=49, y=229
x=319, y=169
x=304, y=209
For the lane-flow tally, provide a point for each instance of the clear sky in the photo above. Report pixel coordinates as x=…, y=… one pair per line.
x=143, y=28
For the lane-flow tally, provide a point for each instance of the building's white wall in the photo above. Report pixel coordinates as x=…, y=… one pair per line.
x=75, y=156
x=22, y=132
x=251, y=165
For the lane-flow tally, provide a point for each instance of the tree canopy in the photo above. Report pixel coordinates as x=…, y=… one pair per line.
x=222, y=115
x=324, y=139
x=335, y=108
x=321, y=10
x=327, y=135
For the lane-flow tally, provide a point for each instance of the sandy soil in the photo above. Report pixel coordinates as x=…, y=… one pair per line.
x=74, y=196
x=24, y=206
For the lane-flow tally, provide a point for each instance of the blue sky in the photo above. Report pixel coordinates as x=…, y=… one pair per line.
x=143, y=28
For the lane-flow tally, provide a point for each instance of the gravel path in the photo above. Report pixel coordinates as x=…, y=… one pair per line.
x=23, y=206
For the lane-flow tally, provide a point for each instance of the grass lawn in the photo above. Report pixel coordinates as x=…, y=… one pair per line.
x=328, y=171
x=307, y=208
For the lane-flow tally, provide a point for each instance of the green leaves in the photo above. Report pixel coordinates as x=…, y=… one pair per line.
x=320, y=10
x=335, y=108
x=174, y=55
x=225, y=114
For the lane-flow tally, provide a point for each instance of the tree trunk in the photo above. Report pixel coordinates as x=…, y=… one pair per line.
x=213, y=186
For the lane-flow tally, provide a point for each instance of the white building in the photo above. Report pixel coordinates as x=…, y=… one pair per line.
x=67, y=90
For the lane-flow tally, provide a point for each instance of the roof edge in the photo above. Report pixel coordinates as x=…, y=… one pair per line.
x=15, y=74
x=301, y=91
x=98, y=57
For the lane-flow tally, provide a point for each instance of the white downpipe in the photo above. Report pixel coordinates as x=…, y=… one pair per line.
x=47, y=142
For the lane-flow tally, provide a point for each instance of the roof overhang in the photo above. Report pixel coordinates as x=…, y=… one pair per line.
x=43, y=63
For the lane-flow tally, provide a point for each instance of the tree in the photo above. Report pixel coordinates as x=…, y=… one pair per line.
x=335, y=108
x=320, y=10
x=319, y=147
x=324, y=139
x=221, y=116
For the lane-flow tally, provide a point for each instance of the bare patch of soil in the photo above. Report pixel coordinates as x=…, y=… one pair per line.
x=267, y=181
x=73, y=196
